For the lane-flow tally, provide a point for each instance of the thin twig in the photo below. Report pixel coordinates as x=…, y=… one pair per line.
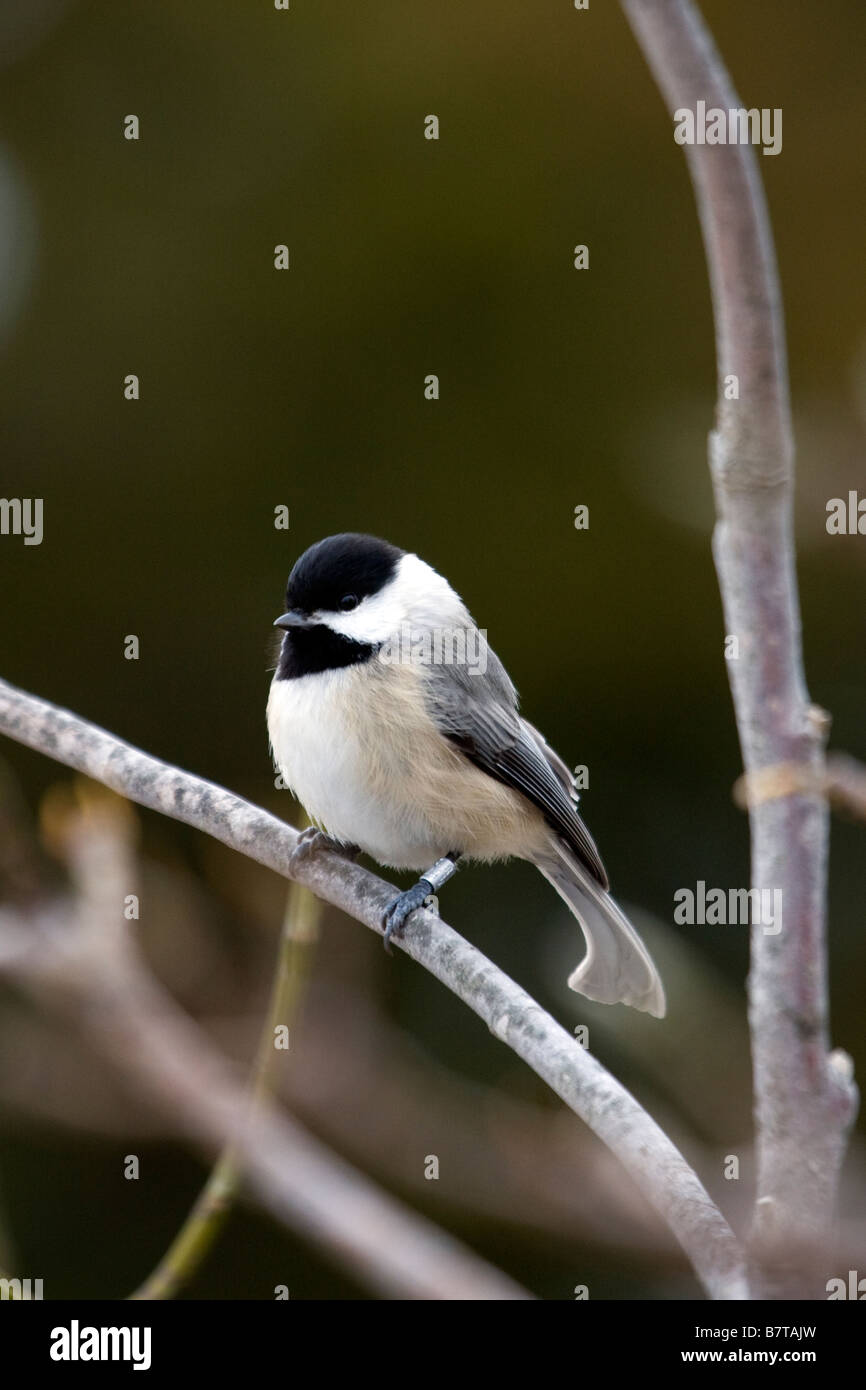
x=203, y=1225
x=846, y=784
x=843, y=782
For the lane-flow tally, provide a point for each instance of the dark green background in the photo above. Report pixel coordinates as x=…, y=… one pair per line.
x=306, y=388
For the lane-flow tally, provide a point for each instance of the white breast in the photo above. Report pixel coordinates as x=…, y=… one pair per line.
x=343, y=742
x=361, y=754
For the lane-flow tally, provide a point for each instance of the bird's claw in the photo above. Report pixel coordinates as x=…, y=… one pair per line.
x=312, y=840
x=398, y=912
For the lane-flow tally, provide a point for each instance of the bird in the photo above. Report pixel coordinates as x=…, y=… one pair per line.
x=397, y=728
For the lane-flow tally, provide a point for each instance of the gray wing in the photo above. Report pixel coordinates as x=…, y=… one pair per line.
x=478, y=714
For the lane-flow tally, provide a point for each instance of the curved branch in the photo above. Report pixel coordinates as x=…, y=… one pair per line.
x=654, y=1163
x=805, y=1098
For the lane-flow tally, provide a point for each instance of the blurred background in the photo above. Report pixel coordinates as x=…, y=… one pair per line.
x=305, y=389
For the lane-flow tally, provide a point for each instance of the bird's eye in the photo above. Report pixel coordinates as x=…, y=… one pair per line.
x=348, y=602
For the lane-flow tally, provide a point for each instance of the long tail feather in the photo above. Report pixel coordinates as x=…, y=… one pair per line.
x=617, y=967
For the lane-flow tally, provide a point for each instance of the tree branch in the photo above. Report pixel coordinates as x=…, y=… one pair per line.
x=654, y=1163
x=805, y=1098
x=89, y=974
x=843, y=782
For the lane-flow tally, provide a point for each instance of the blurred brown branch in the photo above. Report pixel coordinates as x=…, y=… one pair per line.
x=368, y=1087
x=86, y=969
x=653, y=1161
x=804, y=1093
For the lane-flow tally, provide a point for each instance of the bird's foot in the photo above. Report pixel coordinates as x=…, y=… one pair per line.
x=398, y=912
x=311, y=841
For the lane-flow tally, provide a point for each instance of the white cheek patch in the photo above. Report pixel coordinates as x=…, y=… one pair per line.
x=415, y=594
x=372, y=621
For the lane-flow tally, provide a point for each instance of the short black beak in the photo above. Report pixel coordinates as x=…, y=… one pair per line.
x=294, y=618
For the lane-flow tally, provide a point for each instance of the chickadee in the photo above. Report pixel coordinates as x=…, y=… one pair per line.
x=420, y=761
